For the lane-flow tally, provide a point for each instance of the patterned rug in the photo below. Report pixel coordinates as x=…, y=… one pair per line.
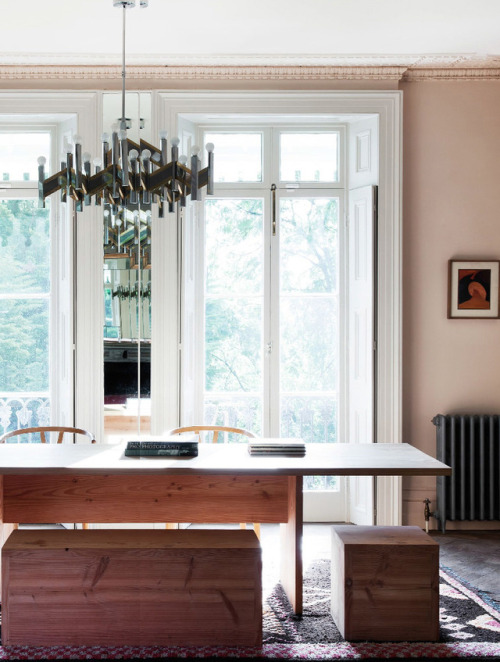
x=469, y=629
x=465, y=615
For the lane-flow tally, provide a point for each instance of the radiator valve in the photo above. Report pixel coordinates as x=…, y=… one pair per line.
x=427, y=514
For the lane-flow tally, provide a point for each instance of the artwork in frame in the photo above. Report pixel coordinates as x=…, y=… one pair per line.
x=473, y=289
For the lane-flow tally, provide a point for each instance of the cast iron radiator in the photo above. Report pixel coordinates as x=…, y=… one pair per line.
x=471, y=446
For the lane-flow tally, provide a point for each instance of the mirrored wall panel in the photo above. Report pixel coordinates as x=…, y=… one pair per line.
x=127, y=293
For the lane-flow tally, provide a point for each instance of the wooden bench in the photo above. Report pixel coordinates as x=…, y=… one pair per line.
x=385, y=583
x=131, y=587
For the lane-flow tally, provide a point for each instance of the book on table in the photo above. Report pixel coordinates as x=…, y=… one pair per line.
x=163, y=447
x=276, y=447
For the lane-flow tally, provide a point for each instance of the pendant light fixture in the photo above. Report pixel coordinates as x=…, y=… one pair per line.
x=129, y=174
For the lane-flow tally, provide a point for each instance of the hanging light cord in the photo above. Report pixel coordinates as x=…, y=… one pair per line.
x=124, y=11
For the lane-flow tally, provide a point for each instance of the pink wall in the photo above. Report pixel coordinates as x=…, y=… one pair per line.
x=451, y=209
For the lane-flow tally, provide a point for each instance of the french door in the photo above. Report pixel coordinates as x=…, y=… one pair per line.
x=270, y=299
x=271, y=321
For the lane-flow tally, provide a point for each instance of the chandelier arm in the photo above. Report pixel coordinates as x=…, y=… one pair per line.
x=50, y=185
x=98, y=182
x=203, y=177
x=156, y=155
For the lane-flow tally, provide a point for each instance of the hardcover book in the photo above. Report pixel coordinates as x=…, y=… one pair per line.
x=163, y=447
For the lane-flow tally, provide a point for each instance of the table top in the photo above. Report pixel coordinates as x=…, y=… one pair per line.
x=220, y=459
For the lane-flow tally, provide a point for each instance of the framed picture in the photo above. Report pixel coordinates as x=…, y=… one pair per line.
x=473, y=289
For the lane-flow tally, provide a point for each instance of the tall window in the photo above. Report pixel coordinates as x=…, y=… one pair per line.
x=271, y=288
x=25, y=283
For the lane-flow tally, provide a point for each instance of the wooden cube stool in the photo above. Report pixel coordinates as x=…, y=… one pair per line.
x=131, y=587
x=385, y=583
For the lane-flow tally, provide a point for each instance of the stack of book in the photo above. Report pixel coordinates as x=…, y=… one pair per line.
x=173, y=447
x=276, y=447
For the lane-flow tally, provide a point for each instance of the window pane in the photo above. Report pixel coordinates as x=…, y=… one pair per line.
x=235, y=411
x=308, y=343
x=19, y=153
x=309, y=318
x=24, y=345
x=309, y=157
x=313, y=418
x=233, y=246
x=237, y=156
x=234, y=312
x=308, y=244
x=25, y=241
x=233, y=345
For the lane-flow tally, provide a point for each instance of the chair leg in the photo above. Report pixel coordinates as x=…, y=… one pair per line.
x=85, y=525
x=256, y=528
x=171, y=525
x=243, y=525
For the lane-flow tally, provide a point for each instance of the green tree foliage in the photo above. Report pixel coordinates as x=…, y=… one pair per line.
x=25, y=249
x=308, y=231
x=24, y=345
x=24, y=272
x=309, y=235
x=233, y=303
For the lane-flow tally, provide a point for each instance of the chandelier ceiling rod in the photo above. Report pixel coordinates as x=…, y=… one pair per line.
x=123, y=65
x=129, y=174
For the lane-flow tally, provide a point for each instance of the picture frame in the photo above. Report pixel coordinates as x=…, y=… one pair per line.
x=473, y=289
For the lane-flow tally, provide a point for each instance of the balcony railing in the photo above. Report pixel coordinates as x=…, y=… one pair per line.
x=23, y=410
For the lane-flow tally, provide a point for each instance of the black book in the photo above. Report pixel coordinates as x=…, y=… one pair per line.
x=162, y=448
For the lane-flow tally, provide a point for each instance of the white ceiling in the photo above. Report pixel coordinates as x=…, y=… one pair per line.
x=241, y=31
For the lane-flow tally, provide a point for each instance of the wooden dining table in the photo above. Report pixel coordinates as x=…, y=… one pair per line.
x=42, y=483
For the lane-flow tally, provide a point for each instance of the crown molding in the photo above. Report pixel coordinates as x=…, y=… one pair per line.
x=189, y=73
x=261, y=68
x=415, y=74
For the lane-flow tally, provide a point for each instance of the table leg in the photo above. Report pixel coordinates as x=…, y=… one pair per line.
x=291, y=545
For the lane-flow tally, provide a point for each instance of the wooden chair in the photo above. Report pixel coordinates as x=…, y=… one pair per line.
x=42, y=430
x=47, y=429
x=215, y=429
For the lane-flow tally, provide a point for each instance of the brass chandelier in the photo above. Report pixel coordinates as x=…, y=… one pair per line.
x=128, y=174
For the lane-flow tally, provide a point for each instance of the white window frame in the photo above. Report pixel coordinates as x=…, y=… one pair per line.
x=318, y=505
x=387, y=105
x=79, y=338
x=20, y=189
x=271, y=135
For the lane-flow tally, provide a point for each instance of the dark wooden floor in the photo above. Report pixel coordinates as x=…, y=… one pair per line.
x=473, y=556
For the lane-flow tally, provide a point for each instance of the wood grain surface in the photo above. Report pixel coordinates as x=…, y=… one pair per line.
x=132, y=588
x=118, y=498
x=385, y=583
x=291, y=545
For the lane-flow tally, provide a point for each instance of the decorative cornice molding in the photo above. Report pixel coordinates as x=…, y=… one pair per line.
x=189, y=73
x=415, y=74
x=421, y=68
